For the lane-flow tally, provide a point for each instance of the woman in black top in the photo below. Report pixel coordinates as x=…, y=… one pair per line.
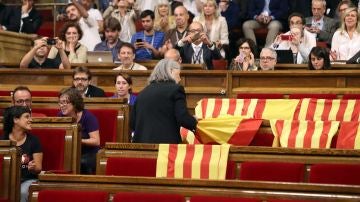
x=17, y=123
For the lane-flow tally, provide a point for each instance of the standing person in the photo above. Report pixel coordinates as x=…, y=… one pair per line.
x=82, y=82
x=72, y=105
x=93, y=13
x=346, y=40
x=215, y=25
x=17, y=124
x=29, y=18
x=319, y=59
x=147, y=42
x=160, y=109
x=271, y=14
x=123, y=87
x=77, y=13
x=164, y=20
x=71, y=34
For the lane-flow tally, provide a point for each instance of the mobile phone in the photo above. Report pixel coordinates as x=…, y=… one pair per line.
x=196, y=36
x=139, y=40
x=51, y=41
x=286, y=37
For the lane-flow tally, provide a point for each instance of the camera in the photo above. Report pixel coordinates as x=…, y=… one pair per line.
x=285, y=37
x=51, y=41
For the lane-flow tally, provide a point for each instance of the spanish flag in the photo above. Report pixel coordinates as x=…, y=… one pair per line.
x=304, y=134
x=349, y=135
x=252, y=108
x=327, y=110
x=188, y=136
x=233, y=130
x=192, y=161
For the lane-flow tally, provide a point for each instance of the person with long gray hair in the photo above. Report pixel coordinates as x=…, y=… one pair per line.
x=160, y=109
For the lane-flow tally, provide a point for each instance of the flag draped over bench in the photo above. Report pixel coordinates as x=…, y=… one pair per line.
x=349, y=135
x=192, y=161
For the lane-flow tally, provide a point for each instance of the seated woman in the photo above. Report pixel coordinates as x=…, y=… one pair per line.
x=245, y=61
x=72, y=105
x=319, y=59
x=126, y=56
x=164, y=20
x=17, y=124
x=123, y=84
x=71, y=33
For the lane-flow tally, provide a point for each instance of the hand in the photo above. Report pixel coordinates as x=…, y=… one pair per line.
x=60, y=45
x=25, y=7
x=164, y=22
x=267, y=19
x=31, y=165
x=223, y=6
x=260, y=18
x=40, y=43
x=138, y=45
x=333, y=54
x=188, y=38
x=218, y=44
x=147, y=45
x=115, y=2
x=252, y=59
x=204, y=38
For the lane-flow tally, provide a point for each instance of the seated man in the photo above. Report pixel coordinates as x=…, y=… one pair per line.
x=268, y=59
x=196, y=48
x=112, y=42
x=147, y=42
x=21, y=96
x=266, y=13
x=82, y=80
x=320, y=25
x=127, y=55
x=173, y=54
x=37, y=56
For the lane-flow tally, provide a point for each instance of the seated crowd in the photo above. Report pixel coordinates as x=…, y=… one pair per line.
x=170, y=24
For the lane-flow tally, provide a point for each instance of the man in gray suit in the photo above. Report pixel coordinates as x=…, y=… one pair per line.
x=319, y=24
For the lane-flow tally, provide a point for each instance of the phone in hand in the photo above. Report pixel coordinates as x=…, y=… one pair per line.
x=240, y=57
x=286, y=37
x=196, y=36
x=139, y=40
x=51, y=41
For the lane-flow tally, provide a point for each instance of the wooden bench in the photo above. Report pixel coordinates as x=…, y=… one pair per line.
x=239, y=155
x=60, y=141
x=113, y=130
x=188, y=188
x=10, y=171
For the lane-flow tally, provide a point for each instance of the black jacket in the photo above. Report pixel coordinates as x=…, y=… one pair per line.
x=159, y=111
x=9, y=18
x=32, y=23
x=94, y=91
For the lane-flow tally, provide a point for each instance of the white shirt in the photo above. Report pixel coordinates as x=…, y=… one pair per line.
x=345, y=47
x=197, y=57
x=135, y=66
x=91, y=35
x=95, y=13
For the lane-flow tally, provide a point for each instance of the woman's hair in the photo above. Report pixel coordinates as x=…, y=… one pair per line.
x=10, y=114
x=156, y=11
x=66, y=26
x=127, y=79
x=348, y=2
x=162, y=71
x=213, y=2
x=74, y=97
x=320, y=52
x=253, y=47
x=347, y=11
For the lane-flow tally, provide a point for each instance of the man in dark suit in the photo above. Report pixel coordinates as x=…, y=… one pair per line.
x=29, y=17
x=319, y=24
x=82, y=80
x=271, y=14
x=8, y=19
x=196, y=47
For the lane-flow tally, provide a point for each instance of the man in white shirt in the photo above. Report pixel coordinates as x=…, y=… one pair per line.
x=94, y=13
x=76, y=12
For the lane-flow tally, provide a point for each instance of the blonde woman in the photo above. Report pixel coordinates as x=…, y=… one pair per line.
x=346, y=40
x=214, y=24
x=164, y=20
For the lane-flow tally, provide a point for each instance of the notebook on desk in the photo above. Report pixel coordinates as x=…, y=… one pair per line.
x=99, y=56
x=285, y=57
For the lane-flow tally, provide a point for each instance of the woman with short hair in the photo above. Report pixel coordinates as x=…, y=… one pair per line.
x=160, y=109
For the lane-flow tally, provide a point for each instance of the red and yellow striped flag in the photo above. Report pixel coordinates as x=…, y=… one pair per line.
x=327, y=110
x=233, y=130
x=304, y=134
x=188, y=136
x=349, y=135
x=252, y=108
x=192, y=161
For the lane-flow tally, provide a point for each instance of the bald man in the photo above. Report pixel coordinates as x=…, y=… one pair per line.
x=173, y=54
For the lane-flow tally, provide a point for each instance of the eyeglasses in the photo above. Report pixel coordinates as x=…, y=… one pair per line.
x=81, y=79
x=21, y=101
x=244, y=48
x=63, y=102
x=195, y=30
x=267, y=58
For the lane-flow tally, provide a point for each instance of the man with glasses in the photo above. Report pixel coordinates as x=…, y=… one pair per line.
x=21, y=96
x=268, y=59
x=82, y=80
x=196, y=47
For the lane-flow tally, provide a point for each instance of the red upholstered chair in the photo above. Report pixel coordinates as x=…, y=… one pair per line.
x=147, y=197
x=107, y=124
x=293, y=200
x=312, y=95
x=272, y=171
x=220, y=64
x=231, y=170
x=53, y=143
x=260, y=96
x=121, y=166
x=351, y=97
x=44, y=93
x=72, y=196
x=335, y=174
x=5, y=93
x=221, y=199
x=48, y=112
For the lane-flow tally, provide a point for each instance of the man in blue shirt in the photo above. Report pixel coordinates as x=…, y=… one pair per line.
x=147, y=42
x=112, y=42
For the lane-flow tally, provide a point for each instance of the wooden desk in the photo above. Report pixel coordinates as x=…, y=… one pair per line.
x=13, y=46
